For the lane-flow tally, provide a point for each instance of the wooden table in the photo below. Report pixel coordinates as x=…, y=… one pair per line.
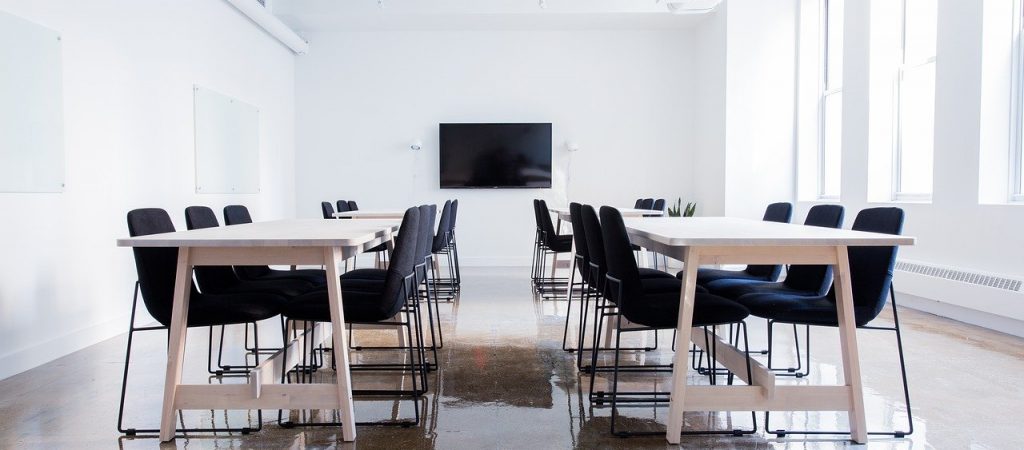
x=368, y=214
x=721, y=240
x=286, y=242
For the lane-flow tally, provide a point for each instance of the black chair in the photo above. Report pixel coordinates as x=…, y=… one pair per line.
x=871, y=271
x=156, y=268
x=551, y=244
x=648, y=203
x=444, y=286
x=453, y=244
x=424, y=256
x=327, y=210
x=342, y=206
x=224, y=280
x=776, y=212
x=580, y=263
x=649, y=307
x=239, y=214
x=369, y=298
x=805, y=280
x=352, y=206
x=639, y=202
x=605, y=306
x=659, y=205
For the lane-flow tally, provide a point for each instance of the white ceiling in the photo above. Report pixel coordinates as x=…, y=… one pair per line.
x=361, y=15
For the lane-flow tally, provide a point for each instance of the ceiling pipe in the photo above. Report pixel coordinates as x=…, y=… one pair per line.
x=272, y=25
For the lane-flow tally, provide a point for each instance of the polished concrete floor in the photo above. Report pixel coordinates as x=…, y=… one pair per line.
x=505, y=382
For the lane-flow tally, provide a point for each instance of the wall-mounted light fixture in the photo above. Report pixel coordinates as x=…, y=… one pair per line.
x=416, y=145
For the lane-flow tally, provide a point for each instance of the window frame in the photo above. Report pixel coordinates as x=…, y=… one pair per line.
x=1015, y=181
x=825, y=91
x=897, y=149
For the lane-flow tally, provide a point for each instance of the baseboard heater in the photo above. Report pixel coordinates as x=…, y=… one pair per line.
x=982, y=291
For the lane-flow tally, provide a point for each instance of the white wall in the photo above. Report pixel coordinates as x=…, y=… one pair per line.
x=129, y=68
x=710, y=125
x=362, y=97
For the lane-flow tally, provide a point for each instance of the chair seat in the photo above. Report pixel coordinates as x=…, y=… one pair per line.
x=289, y=287
x=665, y=284
x=705, y=276
x=362, y=303
x=561, y=243
x=316, y=277
x=228, y=309
x=661, y=310
x=734, y=288
x=653, y=273
x=365, y=274
x=804, y=310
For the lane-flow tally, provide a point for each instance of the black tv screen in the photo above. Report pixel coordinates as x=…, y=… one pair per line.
x=495, y=155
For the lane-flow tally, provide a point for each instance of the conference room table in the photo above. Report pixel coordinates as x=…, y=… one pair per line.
x=283, y=242
x=723, y=240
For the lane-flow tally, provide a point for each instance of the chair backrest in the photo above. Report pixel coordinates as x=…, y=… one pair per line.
x=403, y=262
x=455, y=213
x=536, y=213
x=595, y=244
x=775, y=212
x=236, y=214
x=648, y=203
x=156, y=266
x=327, y=210
x=638, y=204
x=352, y=206
x=343, y=206
x=211, y=279
x=544, y=218
x=816, y=278
x=579, y=237
x=871, y=267
x=441, y=238
x=659, y=205
x=423, y=243
x=620, y=259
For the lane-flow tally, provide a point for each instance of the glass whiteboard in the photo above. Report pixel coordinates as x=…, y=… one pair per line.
x=31, y=107
x=227, y=134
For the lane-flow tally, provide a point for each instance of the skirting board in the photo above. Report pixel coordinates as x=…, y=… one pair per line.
x=967, y=315
x=27, y=358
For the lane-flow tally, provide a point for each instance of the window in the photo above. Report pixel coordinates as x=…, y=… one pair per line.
x=915, y=103
x=830, y=108
x=1017, y=146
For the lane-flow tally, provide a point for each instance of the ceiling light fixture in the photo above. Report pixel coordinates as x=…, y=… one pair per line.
x=691, y=6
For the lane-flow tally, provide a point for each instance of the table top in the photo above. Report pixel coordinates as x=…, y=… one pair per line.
x=626, y=212
x=371, y=214
x=278, y=233
x=729, y=231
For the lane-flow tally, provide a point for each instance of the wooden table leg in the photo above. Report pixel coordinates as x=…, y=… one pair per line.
x=176, y=345
x=848, y=342
x=681, y=365
x=344, y=383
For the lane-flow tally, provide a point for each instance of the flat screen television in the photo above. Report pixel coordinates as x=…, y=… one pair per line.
x=495, y=155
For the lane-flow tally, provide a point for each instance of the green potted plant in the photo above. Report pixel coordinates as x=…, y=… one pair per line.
x=679, y=211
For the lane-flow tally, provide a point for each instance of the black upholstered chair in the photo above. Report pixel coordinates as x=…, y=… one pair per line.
x=352, y=206
x=222, y=279
x=604, y=306
x=871, y=272
x=648, y=203
x=156, y=268
x=654, y=307
x=639, y=202
x=440, y=248
x=552, y=244
x=342, y=206
x=239, y=214
x=581, y=264
x=453, y=245
x=659, y=205
x=776, y=212
x=805, y=280
x=424, y=243
x=327, y=210
x=369, y=298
